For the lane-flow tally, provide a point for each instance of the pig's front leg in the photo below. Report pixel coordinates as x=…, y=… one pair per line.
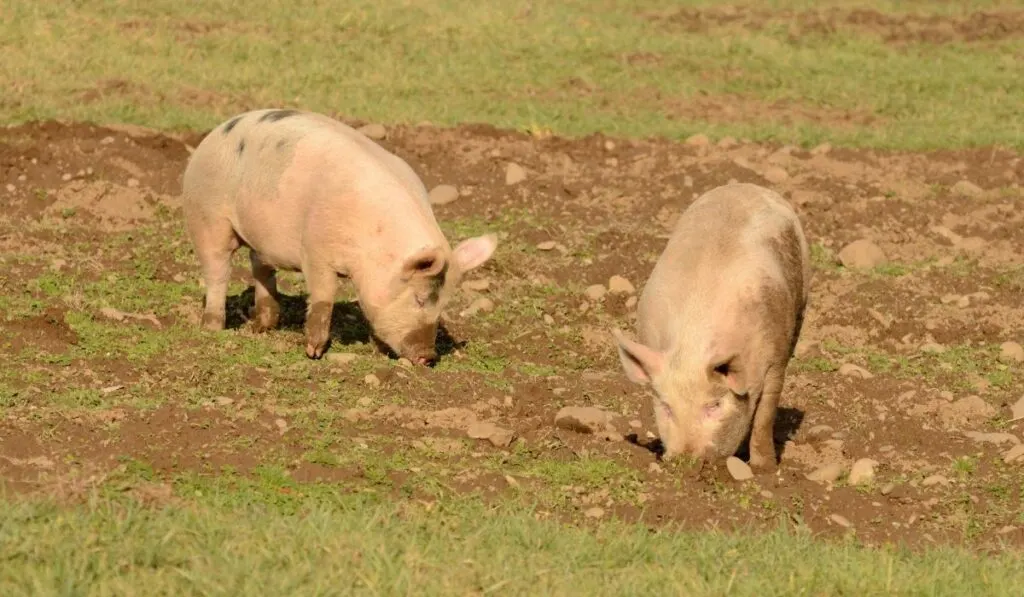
x=268, y=310
x=322, y=283
x=762, y=432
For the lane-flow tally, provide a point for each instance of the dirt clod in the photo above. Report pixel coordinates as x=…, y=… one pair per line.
x=862, y=254
x=739, y=470
x=583, y=419
x=443, y=194
x=862, y=471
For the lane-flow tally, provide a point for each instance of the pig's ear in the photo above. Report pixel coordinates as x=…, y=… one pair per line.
x=729, y=370
x=474, y=252
x=641, y=363
x=427, y=263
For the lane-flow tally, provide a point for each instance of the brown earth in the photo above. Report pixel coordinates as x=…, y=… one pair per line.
x=97, y=206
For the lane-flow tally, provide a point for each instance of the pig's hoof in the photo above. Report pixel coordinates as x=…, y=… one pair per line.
x=213, y=322
x=315, y=351
x=264, y=321
x=763, y=465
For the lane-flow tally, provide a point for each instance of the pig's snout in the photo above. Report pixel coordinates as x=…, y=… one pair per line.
x=426, y=361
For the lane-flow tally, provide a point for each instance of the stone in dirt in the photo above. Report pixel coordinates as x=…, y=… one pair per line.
x=546, y=245
x=482, y=304
x=826, y=474
x=1017, y=410
x=1011, y=352
x=619, y=285
x=775, y=175
x=372, y=380
x=341, y=358
x=851, y=370
x=698, y=140
x=594, y=512
x=1014, y=454
x=862, y=254
x=934, y=480
x=841, y=521
x=443, y=194
x=862, y=471
x=583, y=419
x=966, y=188
x=595, y=292
x=739, y=470
x=374, y=131
x=969, y=411
x=993, y=438
x=498, y=436
x=476, y=285
x=514, y=174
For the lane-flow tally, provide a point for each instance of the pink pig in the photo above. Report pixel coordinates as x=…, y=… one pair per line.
x=308, y=193
x=718, y=320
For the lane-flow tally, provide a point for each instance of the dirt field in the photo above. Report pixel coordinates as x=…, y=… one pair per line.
x=108, y=377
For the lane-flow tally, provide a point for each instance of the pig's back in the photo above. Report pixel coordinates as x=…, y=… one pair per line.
x=733, y=249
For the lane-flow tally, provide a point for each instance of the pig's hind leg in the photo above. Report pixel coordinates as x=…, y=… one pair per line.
x=762, y=433
x=215, y=243
x=267, y=311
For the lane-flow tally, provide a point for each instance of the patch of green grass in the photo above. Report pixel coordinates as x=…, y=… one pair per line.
x=813, y=364
x=270, y=535
x=571, y=68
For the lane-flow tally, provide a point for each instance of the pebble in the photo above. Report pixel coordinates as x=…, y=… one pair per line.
x=224, y=400
x=514, y=174
x=595, y=292
x=1014, y=454
x=404, y=362
x=341, y=358
x=698, y=140
x=11, y=188
x=934, y=480
x=1011, y=352
x=511, y=481
x=443, y=194
x=826, y=474
x=546, y=245
x=820, y=430
x=993, y=438
x=851, y=370
x=738, y=469
x=609, y=145
x=476, y=285
x=841, y=521
x=631, y=302
x=281, y=425
x=862, y=254
x=862, y=471
x=372, y=380
x=498, y=436
x=619, y=285
x=594, y=512
x=66, y=176
x=775, y=175
x=636, y=424
x=888, y=488
x=133, y=182
x=583, y=419
x=966, y=188
x=374, y=131
x=482, y=304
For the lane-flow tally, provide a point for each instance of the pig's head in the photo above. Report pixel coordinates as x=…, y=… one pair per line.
x=704, y=403
x=406, y=317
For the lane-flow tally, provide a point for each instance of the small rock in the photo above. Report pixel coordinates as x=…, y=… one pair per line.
x=583, y=419
x=966, y=188
x=514, y=174
x=365, y=402
x=698, y=140
x=654, y=468
x=727, y=143
x=993, y=438
x=341, y=358
x=501, y=438
x=482, y=304
x=511, y=481
x=595, y=292
x=549, y=320
x=443, y=194
x=609, y=145
x=822, y=149
x=826, y=474
x=820, y=431
x=1017, y=410
x=888, y=488
x=619, y=285
x=282, y=425
x=775, y=175
x=1011, y=352
x=862, y=471
x=66, y=176
x=1013, y=454
x=636, y=424
x=132, y=183
x=374, y=131
x=631, y=302
x=11, y=188
x=546, y=245
x=851, y=370
x=404, y=362
x=738, y=469
x=968, y=411
x=841, y=521
x=862, y=254
x=224, y=400
x=476, y=285
x=594, y=512
x=372, y=380
x=481, y=430
x=934, y=480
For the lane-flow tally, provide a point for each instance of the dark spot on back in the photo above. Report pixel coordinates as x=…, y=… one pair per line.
x=231, y=124
x=241, y=147
x=281, y=143
x=275, y=115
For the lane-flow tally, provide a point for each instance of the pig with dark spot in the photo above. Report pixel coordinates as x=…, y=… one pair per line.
x=307, y=193
x=718, y=320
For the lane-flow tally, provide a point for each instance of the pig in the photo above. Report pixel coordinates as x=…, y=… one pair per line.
x=718, y=321
x=305, y=192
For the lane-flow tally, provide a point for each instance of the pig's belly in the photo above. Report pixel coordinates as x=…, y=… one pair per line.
x=273, y=235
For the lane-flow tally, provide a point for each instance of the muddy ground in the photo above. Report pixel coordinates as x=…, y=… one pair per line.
x=904, y=364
